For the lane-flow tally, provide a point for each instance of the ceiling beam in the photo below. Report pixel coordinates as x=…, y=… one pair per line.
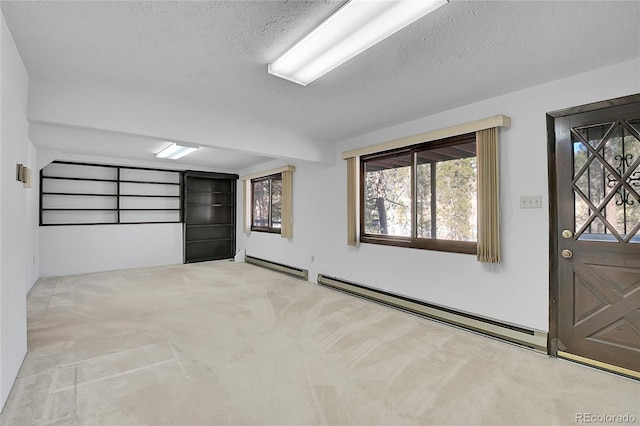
x=168, y=119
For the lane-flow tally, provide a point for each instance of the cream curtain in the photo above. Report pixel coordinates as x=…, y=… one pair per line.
x=246, y=206
x=287, y=205
x=352, y=201
x=488, y=196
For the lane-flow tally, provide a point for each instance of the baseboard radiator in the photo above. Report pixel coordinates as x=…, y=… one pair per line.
x=303, y=274
x=533, y=339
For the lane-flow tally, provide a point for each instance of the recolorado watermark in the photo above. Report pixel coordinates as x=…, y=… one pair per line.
x=605, y=418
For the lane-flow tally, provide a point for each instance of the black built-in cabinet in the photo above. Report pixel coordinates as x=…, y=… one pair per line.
x=209, y=202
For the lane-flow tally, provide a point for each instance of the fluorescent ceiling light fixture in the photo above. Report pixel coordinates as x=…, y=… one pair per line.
x=351, y=30
x=175, y=151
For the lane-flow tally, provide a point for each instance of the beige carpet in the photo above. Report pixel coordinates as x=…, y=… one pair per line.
x=230, y=343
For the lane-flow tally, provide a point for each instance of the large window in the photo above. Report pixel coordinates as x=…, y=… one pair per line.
x=422, y=196
x=267, y=203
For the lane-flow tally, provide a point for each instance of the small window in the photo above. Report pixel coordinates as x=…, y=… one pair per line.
x=267, y=203
x=423, y=196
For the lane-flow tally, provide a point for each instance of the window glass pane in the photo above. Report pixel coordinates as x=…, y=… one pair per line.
x=261, y=203
x=423, y=198
x=456, y=200
x=276, y=202
x=387, y=186
x=446, y=188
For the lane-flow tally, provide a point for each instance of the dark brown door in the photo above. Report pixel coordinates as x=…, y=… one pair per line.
x=598, y=241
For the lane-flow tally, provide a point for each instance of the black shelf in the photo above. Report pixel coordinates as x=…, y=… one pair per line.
x=79, y=224
x=210, y=205
x=87, y=194
x=81, y=179
x=82, y=194
x=77, y=210
x=108, y=223
x=210, y=239
x=203, y=259
x=149, y=182
x=209, y=215
x=148, y=210
x=207, y=225
x=211, y=192
x=148, y=196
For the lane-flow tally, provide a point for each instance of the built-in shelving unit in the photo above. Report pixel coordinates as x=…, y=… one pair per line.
x=95, y=194
x=209, y=204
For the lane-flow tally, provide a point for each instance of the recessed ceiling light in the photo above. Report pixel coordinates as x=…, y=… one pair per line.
x=175, y=151
x=351, y=30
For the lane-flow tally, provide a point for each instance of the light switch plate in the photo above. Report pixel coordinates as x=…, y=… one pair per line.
x=530, y=201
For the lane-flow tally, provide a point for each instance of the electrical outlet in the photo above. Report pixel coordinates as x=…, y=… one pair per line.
x=313, y=258
x=530, y=201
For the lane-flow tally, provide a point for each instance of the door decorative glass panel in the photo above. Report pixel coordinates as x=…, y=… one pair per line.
x=606, y=182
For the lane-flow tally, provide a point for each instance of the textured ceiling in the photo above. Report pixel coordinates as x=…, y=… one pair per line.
x=217, y=52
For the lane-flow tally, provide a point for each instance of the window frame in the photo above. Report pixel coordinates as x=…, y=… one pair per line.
x=270, y=228
x=464, y=247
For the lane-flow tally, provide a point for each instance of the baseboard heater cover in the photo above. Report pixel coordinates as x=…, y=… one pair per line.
x=303, y=274
x=533, y=339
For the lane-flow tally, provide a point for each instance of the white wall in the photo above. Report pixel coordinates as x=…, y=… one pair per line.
x=516, y=291
x=68, y=250
x=18, y=246
x=32, y=216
